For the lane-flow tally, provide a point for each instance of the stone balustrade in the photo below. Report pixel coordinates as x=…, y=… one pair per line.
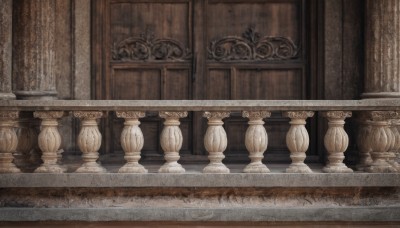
x=378, y=136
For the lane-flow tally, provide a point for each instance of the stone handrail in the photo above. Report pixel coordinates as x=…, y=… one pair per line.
x=378, y=137
x=201, y=105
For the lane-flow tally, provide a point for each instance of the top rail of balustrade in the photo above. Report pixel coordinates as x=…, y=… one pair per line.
x=202, y=105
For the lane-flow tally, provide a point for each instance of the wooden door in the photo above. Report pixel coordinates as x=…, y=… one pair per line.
x=201, y=49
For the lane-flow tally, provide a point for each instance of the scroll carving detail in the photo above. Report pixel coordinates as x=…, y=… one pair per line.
x=251, y=46
x=146, y=47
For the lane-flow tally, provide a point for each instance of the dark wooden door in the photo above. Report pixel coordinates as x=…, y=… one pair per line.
x=201, y=49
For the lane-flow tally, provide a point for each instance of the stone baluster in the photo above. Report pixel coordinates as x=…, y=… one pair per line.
x=297, y=140
x=395, y=144
x=8, y=141
x=27, y=142
x=396, y=128
x=336, y=142
x=215, y=142
x=380, y=139
x=171, y=141
x=256, y=141
x=363, y=144
x=132, y=141
x=49, y=141
x=89, y=141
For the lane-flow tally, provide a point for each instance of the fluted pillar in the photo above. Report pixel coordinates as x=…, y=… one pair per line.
x=336, y=142
x=256, y=141
x=215, y=142
x=34, y=49
x=382, y=52
x=297, y=140
x=49, y=141
x=89, y=141
x=132, y=141
x=6, y=50
x=8, y=141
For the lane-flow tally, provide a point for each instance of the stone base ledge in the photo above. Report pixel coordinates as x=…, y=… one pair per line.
x=336, y=214
x=39, y=180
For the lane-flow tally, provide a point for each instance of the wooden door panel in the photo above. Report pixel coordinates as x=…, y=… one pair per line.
x=138, y=84
x=257, y=84
x=177, y=85
x=220, y=79
x=273, y=18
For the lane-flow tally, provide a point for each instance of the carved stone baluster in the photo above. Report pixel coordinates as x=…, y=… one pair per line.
x=256, y=141
x=396, y=131
x=336, y=142
x=215, y=142
x=89, y=141
x=363, y=144
x=395, y=144
x=380, y=141
x=297, y=140
x=132, y=141
x=27, y=142
x=171, y=141
x=49, y=141
x=8, y=141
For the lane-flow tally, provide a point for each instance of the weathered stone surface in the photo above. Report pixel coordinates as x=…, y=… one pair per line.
x=201, y=204
x=34, y=49
x=6, y=50
x=197, y=179
x=380, y=213
x=382, y=59
x=82, y=49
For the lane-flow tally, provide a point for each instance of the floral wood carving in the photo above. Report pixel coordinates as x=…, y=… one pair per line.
x=251, y=46
x=146, y=47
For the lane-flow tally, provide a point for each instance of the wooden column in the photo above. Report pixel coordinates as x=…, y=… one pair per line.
x=382, y=52
x=49, y=141
x=132, y=141
x=215, y=142
x=256, y=141
x=34, y=49
x=297, y=140
x=8, y=141
x=89, y=141
x=6, y=50
x=336, y=142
